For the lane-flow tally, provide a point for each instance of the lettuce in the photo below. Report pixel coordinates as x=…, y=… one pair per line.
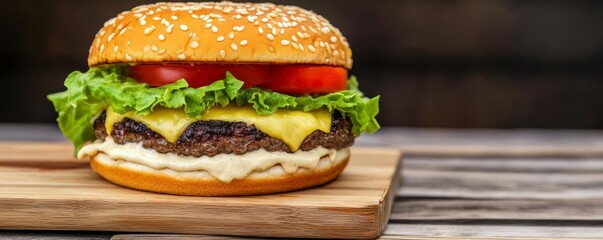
x=89, y=93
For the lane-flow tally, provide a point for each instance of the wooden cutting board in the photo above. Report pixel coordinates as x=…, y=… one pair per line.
x=43, y=187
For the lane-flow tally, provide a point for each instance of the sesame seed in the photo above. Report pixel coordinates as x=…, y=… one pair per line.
x=154, y=48
x=274, y=31
x=169, y=28
x=110, y=37
x=161, y=52
x=181, y=56
x=231, y=35
x=270, y=48
x=174, y=18
x=128, y=57
x=294, y=38
x=270, y=36
x=214, y=29
x=264, y=19
x=250, y=19
x=234, y=46
x=183, y=27
x=300, y=35
x=279, y=24
x=311, y=48
x=294, y=45
x=161, y=37
x=261, y=30
x=208, y=25
x=321, y=44
x=301, y=47
x=143, y=22
x=149, y=30
x=222, y=53
x=243, y=42
x=294, y=24
x=156, y=18
x=333, y=39
x=285, y=42
x=122, y=31
x=282, y=31
x=129, y=42
x=269, y=26
x=194, y=44
x=335, y=53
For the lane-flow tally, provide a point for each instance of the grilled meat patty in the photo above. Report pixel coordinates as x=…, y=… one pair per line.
x=215, y=137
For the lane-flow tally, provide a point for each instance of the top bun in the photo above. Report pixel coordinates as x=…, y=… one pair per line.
x=222, y=32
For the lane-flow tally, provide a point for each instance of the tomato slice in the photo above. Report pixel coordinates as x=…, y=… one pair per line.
x=289, y=79
x=306, y=79
x=198, y=75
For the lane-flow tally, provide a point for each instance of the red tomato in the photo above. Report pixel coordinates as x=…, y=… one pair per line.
x=306, y=79
x=197, y=75
x=290, y=79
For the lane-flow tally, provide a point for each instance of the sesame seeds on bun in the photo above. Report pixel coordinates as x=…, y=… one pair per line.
x=222, y=32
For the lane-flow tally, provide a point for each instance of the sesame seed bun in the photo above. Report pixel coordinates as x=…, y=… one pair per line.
x=221, y=32
x=273, y=180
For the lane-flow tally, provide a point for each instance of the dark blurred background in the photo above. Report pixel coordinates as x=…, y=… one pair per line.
x=457, y=63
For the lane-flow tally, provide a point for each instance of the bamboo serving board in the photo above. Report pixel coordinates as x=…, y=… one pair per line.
x=43, y=187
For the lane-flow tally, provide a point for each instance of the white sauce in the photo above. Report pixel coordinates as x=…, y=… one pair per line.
x=224, y=167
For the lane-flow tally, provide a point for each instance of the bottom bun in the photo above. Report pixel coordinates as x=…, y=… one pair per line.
x=180, y=183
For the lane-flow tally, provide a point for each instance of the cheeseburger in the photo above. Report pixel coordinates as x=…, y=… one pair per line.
x=216, y=99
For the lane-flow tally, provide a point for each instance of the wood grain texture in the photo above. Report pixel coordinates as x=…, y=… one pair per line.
x=43, y=187
x=584, y=211
x=495, y=177
x=492, y=142
x=499, y=197
x=469, y=231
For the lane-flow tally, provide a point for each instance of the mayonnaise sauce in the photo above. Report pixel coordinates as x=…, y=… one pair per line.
x=224, y=167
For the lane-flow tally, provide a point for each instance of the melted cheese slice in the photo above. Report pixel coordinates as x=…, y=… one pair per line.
x=291, y=127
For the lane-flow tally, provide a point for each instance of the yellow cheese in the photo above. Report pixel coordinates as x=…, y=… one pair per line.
x=292, y=127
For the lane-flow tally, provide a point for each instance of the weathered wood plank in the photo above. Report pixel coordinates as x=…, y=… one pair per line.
x=459, y=209
x=479, y=142
x=54, y=235
x=470, y=231
x=502, y=178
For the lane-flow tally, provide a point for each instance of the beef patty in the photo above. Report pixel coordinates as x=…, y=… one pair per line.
x=215, y=137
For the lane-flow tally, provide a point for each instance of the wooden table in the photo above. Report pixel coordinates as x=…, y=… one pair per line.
x=460, y=184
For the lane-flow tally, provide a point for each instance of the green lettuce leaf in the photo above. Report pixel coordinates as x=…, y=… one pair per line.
x=89, y=93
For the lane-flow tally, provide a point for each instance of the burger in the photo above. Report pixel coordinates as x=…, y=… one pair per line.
x=216, y=99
